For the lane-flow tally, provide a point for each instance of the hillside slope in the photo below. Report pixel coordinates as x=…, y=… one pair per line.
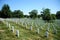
x=25, y=33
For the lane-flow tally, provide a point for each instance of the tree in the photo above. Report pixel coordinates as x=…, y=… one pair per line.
x=0, y=13
x=53, y=16
x=17, y=14
x=58, y=14
x=39, y=16
x=33, y=13
x=46, y=14
x=5, y=11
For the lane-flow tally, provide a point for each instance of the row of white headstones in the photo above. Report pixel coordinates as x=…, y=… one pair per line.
x=12, y=29
x=31, y=28
x=47, y=30
x=9, y=26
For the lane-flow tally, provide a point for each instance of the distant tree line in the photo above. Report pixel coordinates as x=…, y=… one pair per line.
x=5, y=12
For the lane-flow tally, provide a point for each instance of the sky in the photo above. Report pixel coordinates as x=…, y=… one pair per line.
x=28, y=5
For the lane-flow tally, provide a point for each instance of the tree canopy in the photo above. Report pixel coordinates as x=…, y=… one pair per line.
x=5, y=11
x=46, y=14
x=33, y=13
x=53, y=16
x=17, y=14
x=58, y=14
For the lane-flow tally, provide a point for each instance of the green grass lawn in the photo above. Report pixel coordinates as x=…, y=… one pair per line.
x=26, y=33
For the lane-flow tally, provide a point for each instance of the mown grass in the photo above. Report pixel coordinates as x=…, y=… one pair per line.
x=25, y=33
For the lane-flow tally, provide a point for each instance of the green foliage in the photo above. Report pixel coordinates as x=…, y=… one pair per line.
x=5, y=11
x=53, y=16
x=58, y=14
x=46, y=14
x=39, y=16
x=0, y=13
x=17, y=14
x=33, y=13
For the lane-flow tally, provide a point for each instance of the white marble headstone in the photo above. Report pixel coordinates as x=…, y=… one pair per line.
x=30, y=27
x=38, y=30
x=46, y=34
x=9, y=26
x=12, y=29
x=17, y=33
x=26, y=25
